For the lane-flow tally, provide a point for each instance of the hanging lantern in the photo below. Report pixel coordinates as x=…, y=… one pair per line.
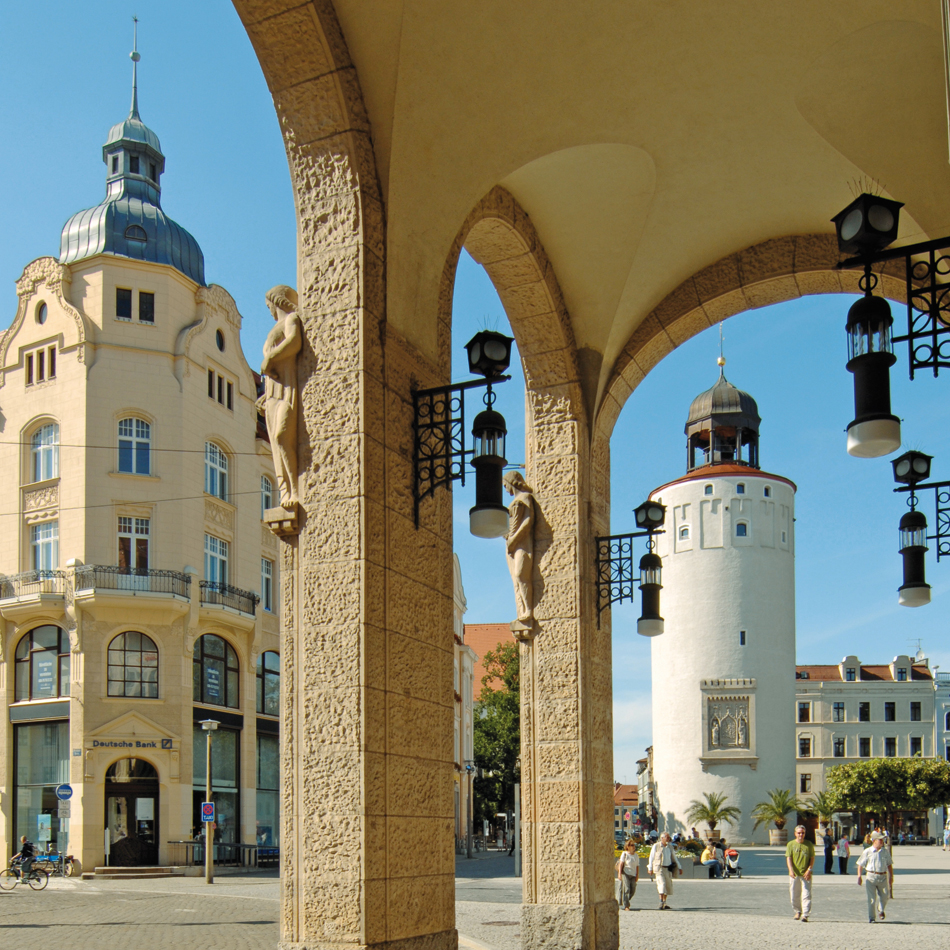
x=915, y=591
x=874, y=431
x=489, y=517
x=650, y=623
x=867, y=225
x=650, y=515
x=489, y=353
x=912, y=467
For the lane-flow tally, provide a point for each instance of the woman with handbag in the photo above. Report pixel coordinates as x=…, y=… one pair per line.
x=628, y=873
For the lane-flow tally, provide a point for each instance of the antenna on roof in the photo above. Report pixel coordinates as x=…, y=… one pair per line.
x=135, y=56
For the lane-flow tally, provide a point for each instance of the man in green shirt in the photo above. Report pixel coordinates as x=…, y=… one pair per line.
x=800, y=858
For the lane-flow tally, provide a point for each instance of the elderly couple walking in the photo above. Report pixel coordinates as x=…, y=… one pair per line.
x=662, y=865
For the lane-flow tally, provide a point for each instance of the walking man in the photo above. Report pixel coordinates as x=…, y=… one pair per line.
x=662, y=865
x=829, y=843
x=800, y=858
x=876, y=863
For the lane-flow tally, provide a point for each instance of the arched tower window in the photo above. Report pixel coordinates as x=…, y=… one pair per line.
x=742, y=530
x=42, y=664
x=44, y=453
x=267, y=494
x=216, y=471
x=135, y=446
x=133, y=666
x=216, y=672
x=268, y=684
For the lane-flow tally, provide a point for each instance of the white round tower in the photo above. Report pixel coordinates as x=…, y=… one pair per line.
x=724, y=670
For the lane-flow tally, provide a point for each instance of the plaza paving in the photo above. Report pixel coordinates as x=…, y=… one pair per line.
x=240, y=911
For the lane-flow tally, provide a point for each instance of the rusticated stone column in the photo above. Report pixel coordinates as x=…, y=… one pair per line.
x=366, y=808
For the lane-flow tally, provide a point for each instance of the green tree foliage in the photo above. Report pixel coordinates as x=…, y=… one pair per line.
x=883, y=786
x=782, y=802
x=497, y=731
x=712, y=811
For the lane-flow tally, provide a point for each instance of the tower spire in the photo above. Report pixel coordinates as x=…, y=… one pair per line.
x=721, y=362
x=135, y=56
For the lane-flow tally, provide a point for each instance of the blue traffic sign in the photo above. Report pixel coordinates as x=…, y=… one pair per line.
x=64, y=792
x=207, y=811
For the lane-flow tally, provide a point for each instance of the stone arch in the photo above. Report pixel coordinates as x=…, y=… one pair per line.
x=767, y=273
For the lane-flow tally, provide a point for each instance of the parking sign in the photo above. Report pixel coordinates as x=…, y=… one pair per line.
x=207, y=811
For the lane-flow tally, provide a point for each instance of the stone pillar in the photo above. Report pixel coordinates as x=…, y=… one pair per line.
x=567, y=744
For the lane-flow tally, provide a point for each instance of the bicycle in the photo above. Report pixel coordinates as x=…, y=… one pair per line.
x=11, y=876
x=54, y=863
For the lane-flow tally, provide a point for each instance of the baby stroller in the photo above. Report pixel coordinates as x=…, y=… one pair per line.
x=733, y=868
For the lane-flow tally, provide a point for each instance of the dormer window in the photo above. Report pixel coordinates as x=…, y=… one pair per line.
x=850, y=675
x=135, y=233
x=901, y=675
x=134, y=164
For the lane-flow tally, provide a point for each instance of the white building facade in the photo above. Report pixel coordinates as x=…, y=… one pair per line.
x=724, y=669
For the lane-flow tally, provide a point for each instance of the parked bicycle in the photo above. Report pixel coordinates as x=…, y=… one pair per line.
x=54, y=863
x=11, y=876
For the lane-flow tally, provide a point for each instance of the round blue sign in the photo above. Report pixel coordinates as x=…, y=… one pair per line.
x=64, y=792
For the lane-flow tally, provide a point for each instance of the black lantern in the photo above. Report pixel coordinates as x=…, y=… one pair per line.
x=650, y=515
x=650, y=623
x=911, y=468
x=915, y=591
x=489, y=353
x=874, y=431
x=867, y=225
x=489, y=517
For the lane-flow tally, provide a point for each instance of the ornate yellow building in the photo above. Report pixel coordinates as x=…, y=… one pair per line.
x=139, y=584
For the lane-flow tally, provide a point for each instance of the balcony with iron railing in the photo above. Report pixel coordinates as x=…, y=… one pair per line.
x=217, y=594
x=108, y=585
x=32, y=593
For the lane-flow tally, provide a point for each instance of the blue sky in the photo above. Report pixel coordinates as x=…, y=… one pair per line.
x=226, y=181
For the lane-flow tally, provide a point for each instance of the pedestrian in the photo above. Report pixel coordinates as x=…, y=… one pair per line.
x=946, y=837
x=693, y=833
x=844, y=852
x=628, y=873
x=800, y=858
x=829, y=844
x=710, y=860
x=876, y=863
x=662, y=865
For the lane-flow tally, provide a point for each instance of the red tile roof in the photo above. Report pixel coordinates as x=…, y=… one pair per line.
x=869, y=674
x=483, y=638
x=625, y=794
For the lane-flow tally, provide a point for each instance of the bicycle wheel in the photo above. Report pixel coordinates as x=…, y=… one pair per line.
x=8, y=879
x=38, y=879
x=68, y=869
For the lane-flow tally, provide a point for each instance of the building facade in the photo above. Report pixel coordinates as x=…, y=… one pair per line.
x=854, y=711
x=139, y=590
x=626, y=814
x=463, y=685
x=723, y=670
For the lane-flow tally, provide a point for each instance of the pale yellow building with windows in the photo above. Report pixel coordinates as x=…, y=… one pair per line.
x=139, y=584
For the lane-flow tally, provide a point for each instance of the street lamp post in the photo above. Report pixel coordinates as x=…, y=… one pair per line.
x=209, y=726
x=470, y=768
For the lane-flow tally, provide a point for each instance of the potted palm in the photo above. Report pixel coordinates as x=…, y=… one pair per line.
x=823, y=805
x=781, y=803
x=712, y=811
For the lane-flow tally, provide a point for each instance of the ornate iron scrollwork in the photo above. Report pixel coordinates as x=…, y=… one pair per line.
x=941, y=490
x=617, y=574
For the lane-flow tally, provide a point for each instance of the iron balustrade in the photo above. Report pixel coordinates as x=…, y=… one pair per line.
x=214, y=592
x=33, y=582
x=108, y=577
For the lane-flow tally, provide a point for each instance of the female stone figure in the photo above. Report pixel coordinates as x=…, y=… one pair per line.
x=520, y=547
x=279, y=401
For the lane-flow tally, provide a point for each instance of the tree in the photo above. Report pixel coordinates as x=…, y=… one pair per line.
x=497, y=731
x=884, y=786
x=712, y=811
x=822, y=804
x=782, y=802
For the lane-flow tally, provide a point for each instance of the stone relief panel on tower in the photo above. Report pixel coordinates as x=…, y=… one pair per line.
x=729, y=723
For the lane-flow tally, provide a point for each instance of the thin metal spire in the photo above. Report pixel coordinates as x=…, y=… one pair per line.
x=721, y=362
x=135, y=56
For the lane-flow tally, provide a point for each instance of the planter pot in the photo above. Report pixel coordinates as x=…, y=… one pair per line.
x=778, y=837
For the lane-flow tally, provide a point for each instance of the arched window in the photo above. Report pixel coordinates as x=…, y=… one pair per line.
x=133, y=666
x=42, y=664
x=216, y=471
x=684, y=532
x=742, y=530
x=267, y=494
x=707, y=490
x=216, y=672
x=268, y=684
x=135, y=446
x=44, y=451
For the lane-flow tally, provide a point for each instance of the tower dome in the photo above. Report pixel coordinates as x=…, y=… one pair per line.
x=129, y=221
x=722, y=427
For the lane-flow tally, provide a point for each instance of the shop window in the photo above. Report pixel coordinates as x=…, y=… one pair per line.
x=216, y=471
x=268, y=684
x=915, y=712
x=267, y=494
x=864, y=747
x=225, y=784
x=804, y=748
x=268, y=791
x=41, y=764
x=839, y=748
x=135, y=446
x=42, y=664
x=864, y=712
x=916, y=745
x=133, y=666
x=215, y=672
x=267, y=584
x=890, y=748
x=804, y=712
x=837, y=712
x=890, y=712
x=44, y=453
x=804, y=782
x=44, y=546
x=216, y=559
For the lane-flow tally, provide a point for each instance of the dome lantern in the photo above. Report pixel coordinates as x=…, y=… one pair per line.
x=722, y=427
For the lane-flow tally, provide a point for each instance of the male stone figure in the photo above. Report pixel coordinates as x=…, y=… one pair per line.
x=520, y=550
x=279, y=401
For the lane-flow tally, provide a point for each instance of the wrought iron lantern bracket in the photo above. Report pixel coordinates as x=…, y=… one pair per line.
x=438, y=422
x=928, y=299
x=617, y=574
x=941, y=491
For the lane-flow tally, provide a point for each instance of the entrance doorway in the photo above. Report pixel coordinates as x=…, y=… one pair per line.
x=131, y=818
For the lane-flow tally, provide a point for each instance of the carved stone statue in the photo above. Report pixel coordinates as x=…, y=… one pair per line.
x=520, y=550
x=715, y=734
x=743, y=739
x=279, y=402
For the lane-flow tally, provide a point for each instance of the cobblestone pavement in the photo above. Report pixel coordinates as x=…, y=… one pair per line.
x=240, y=912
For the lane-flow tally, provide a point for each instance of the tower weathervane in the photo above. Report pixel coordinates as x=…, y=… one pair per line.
x=721, y=362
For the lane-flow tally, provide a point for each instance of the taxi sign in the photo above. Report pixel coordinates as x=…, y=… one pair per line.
x=207, y=811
